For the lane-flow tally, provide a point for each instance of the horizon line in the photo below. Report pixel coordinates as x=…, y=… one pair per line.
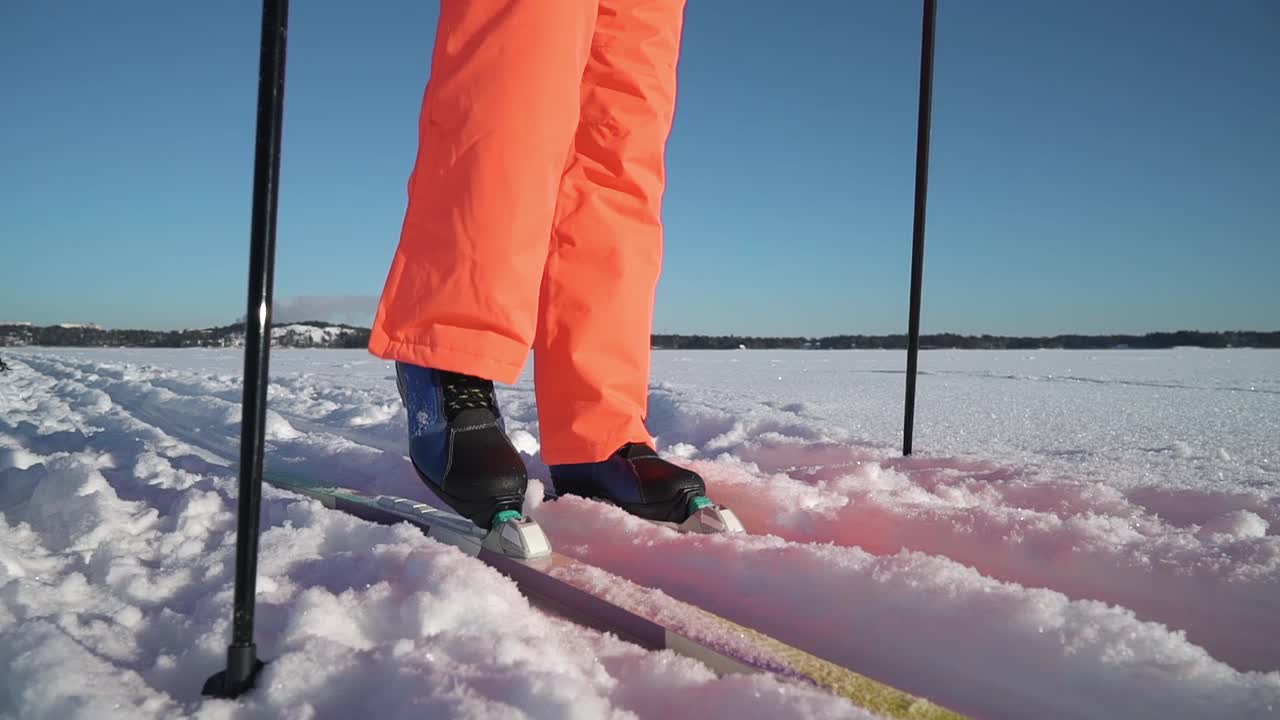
x=655, y=333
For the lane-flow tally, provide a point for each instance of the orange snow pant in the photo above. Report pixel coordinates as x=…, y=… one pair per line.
x=534, y=215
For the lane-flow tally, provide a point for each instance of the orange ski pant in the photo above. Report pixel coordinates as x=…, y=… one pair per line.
x=534, y=214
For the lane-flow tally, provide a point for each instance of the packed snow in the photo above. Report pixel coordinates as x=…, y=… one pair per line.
x=1079, y=535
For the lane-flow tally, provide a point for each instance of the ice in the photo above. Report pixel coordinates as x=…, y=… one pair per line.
x=1080, y=534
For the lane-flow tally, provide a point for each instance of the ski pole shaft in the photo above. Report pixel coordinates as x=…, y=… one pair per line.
x=242, y=661
x=917, y=232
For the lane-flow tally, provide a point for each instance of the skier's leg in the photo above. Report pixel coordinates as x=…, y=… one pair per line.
x=497, y=122
x=459, y=307
x=591, y=354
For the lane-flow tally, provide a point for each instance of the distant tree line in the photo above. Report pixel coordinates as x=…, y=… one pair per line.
x=1182, y=338
x=225, y=336
x=355, y=337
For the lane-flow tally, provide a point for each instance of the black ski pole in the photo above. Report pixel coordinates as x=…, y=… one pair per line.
x=917, y=232
x=243, y=664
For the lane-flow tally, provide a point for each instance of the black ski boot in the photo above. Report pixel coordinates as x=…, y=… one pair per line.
x=639, y=481
x=459, y=446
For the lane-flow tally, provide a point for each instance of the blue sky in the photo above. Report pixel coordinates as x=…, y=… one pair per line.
x=1097, y=166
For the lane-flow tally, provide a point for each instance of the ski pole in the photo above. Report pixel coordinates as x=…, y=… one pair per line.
x=917, y=232
x=243, y=664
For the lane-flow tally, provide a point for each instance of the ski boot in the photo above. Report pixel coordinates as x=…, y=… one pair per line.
x=459, y=447
x=636, y=479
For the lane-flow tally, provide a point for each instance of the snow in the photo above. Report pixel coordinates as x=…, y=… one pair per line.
x=1080, y=535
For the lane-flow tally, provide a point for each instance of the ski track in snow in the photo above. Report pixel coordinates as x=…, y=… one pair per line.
x=1007, y=586
x=117, y=561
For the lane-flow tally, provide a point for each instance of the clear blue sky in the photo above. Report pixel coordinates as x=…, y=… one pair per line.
x=1097, y=166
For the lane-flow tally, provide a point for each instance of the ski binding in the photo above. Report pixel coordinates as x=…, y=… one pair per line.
x=512, y=534
x=705, y=517
x=709, y=518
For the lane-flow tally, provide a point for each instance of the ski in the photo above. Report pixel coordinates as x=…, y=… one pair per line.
x=518, y=548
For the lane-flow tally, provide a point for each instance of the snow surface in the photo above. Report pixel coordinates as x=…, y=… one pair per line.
x=1080, y=535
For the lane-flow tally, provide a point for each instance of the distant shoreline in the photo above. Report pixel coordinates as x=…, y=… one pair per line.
x=332, y=335
x=954, y=341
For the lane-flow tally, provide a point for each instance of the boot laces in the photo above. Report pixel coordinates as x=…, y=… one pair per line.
x=466, y=392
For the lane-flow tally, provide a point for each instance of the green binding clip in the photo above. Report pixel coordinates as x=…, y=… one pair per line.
x=698, y=502
x=506, y=515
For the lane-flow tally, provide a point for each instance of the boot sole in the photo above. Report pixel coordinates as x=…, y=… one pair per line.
x=672, y=510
